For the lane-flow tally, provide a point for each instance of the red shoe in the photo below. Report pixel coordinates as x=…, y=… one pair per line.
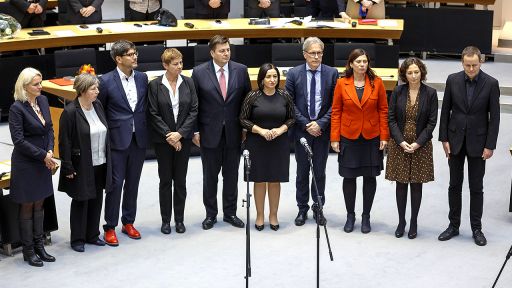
x=129, y=230
x=110, y=238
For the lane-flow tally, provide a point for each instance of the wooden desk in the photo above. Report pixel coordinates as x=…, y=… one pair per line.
x=70, y=35
x=388, y=75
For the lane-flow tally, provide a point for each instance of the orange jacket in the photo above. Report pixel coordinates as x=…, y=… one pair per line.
x=351, y=117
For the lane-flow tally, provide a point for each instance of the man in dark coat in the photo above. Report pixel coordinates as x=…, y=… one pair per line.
x=468, y=129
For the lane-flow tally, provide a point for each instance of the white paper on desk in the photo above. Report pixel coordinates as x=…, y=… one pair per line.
x=328, y=24
x=118, y=27
x=387, y=23
x=64, y=33
x=5, y=166
x=155, y=73
x=221, y=24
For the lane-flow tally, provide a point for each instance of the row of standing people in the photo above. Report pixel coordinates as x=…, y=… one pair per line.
x=103, y=142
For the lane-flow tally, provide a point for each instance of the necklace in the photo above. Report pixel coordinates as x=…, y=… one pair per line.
x=35, y=107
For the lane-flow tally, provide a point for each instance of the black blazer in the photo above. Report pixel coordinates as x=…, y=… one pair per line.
x=215, y=113
x=476, y=122
x=69, y=12
x=21, y=8
x=75, y=152
x=426, y=119
x=160, y=113
x=202, y=8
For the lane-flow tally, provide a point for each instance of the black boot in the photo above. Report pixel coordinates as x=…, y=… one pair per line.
x=27, y=239
x=349, y=225
x=365, y=224
x=39, y=238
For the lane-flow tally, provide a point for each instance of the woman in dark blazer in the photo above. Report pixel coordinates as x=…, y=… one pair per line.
x=172, y=113
x=29, y=13
x=359, y=133
x=412, y=119
x=85, y=156
x=31, y=130
x=80, y=12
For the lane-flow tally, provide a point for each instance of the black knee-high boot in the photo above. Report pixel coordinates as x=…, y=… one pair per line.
x=27, y=240
x=39, y=237
x=401, y=203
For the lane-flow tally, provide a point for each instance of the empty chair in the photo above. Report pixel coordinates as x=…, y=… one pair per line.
x=287, y=54
x=150, y=57
x=342, y=50
x=67, y=62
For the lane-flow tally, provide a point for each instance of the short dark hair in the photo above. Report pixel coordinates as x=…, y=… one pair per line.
x=216, y=40
x=263, y=73
x=402, y=72
x=120, y=47
x=470, y=51
x=83, y=82
x=352, y=57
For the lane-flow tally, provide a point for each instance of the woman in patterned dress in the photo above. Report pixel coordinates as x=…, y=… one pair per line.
x=412, y=118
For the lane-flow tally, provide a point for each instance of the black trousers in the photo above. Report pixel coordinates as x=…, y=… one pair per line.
x=132, y=15
x=172, y=168
x=213, y=159
x=476, y=172
x=85, y=215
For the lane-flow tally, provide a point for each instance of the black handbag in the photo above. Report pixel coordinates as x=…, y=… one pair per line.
x=166, y=18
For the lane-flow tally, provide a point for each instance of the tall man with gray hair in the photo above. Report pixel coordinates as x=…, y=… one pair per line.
x=123, y=95
x=311, y=86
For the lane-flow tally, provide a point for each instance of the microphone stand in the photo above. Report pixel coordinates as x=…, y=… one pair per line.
x=320, y=214
x=505, y=263
x=247, y=201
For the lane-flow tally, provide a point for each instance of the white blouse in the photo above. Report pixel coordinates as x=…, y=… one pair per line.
x=98, y=134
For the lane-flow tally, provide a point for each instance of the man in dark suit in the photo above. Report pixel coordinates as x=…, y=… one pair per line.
x=312, y=86
x=123, y=95
x=263, y=8
x=325, y=9
x=29, y=13
x=80, y=12
x=221, y=86
x=468, y=129
x=212, y=9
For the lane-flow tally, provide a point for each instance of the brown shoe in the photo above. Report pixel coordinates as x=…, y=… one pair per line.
x=129, y=230
x=110, y=238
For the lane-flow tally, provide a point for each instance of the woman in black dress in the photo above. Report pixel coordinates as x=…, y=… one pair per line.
x=267, y=113
x=85, y=156
x=31, y=130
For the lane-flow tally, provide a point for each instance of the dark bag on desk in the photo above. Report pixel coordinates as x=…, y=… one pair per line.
x=166, y=18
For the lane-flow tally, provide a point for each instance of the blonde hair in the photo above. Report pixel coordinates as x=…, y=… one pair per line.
x=171, y=54
x=26, y=76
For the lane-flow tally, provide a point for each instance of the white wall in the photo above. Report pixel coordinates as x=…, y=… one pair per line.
x=114, y=9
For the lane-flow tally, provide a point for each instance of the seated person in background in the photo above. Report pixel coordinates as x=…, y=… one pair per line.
x=29, y=13
x=141, y=10
x=263, y=8
x=325, y=9
x=361, y=9
x=80, y=11
x=212, y=9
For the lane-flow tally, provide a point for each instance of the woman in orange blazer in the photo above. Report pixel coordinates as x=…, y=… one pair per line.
x=359, y=132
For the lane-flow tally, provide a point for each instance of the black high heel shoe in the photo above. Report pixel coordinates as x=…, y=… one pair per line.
x=413, y=231
x=274, y=227
x=259, y=227
x=399, y=232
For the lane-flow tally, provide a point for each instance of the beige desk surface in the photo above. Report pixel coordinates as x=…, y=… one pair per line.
x=5, y=180
x=70, y=35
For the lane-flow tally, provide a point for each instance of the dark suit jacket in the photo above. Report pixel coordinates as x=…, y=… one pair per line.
x=296, y=85
x=214, y=112
x=476, y=122
x=21, y=8
x=160, y=113
x=202, y=8
x=326, y=9
x=120, y=117
x=426, y=119
x=32, y=140
x=255, y=11
x=75, y=152
x=69, y=12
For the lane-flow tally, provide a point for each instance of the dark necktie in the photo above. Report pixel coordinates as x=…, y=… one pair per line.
x=312, y=95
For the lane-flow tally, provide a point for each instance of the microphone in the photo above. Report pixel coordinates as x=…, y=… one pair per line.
x=304, y=143
x=247, y=161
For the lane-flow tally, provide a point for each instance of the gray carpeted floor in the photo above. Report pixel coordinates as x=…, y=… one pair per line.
x=287, y=258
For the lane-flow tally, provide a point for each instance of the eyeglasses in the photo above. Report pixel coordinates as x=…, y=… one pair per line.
x=132, y=54
x=315, y=54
